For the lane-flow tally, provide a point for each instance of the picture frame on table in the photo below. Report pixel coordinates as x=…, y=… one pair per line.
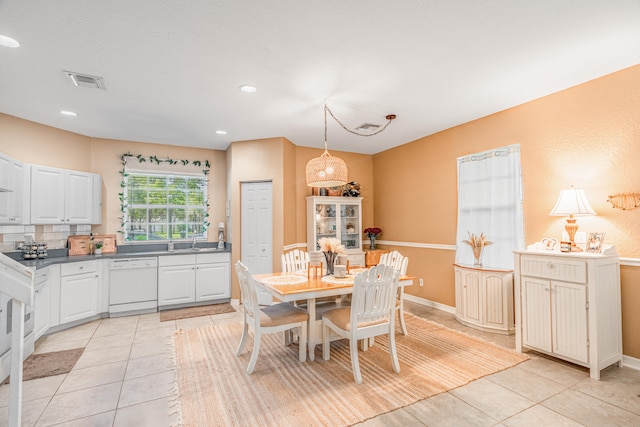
x=595, y=243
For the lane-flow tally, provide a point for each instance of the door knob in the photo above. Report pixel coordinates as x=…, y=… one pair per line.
x=262, y=249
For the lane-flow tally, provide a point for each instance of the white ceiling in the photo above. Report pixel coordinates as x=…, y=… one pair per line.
x=172, y=68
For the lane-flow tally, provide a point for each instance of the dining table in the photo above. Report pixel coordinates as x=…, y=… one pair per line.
x=297, y=286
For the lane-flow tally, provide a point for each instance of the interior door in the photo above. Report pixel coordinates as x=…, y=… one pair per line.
x=257, y=230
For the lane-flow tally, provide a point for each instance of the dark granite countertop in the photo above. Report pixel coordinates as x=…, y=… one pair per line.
x=61, y=256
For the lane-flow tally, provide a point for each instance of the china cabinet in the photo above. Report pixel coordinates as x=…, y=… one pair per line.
x=568, y=306
x=484, y=298
x=335, y=217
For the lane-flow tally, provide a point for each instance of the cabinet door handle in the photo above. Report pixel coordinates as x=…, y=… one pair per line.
x=549, y=265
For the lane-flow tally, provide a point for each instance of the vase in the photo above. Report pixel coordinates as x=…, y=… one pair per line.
x=477, y=256
x=372, y=241
x=330, y=257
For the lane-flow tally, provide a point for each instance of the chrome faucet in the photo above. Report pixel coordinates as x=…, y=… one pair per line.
x=193, y=243
x=170, y=246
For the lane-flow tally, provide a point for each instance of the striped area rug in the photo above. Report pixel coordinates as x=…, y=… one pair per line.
x=214, y=389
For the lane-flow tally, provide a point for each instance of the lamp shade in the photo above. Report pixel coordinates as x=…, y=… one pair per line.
x=326, y=171
x=572, y=202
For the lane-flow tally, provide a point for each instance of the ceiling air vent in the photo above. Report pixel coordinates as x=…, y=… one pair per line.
x=368, y=127
x=85, y=80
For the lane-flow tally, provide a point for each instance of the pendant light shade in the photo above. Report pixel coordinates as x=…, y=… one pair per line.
x=326, y=171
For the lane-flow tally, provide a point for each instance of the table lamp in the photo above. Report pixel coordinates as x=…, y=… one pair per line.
x=572, y=202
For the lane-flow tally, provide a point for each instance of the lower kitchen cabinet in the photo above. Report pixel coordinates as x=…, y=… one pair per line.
x=484, y=298
x=193, y=278
x=79, y=290
x=176, y=279
x=42, y=305
x=213, y=277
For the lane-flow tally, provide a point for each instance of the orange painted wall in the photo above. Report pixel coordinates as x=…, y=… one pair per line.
x=587, y=136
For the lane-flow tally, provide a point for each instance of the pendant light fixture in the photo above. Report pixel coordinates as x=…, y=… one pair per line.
x=330, y=171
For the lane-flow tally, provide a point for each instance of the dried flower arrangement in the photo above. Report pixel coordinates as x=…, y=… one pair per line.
x=331, y=244
x=477, y=243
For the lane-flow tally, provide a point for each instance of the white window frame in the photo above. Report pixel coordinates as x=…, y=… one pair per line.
x=200, y=230
x=490, y=202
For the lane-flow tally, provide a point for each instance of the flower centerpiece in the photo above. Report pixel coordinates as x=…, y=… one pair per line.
x=477, y=244
x=330, y=247
x=372, y=233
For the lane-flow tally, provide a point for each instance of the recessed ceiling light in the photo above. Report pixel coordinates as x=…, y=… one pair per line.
x=248, y=89
x=68, y=113
x=8, y=41
x=221, y=132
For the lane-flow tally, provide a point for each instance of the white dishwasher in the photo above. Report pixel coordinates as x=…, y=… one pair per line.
x=133, y=285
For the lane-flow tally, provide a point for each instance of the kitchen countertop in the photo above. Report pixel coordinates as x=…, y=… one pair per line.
x=61, y=256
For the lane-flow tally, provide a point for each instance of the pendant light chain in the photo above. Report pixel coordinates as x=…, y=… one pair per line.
x=389, y=118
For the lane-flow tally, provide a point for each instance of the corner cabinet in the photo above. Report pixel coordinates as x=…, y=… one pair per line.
x=14, y=202
x=484, y=298
x=568, y=306
x=337, y=217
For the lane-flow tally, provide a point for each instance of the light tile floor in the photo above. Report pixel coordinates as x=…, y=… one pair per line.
x=124, y=376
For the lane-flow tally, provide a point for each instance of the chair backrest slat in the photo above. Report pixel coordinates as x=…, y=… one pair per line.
x=295, y=260
x=396, y=260
x=249, y=296
x=373, y=297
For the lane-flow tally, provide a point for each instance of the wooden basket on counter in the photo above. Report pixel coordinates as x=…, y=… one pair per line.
x=81, y=245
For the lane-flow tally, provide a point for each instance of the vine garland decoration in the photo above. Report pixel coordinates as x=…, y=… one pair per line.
x=157, y=160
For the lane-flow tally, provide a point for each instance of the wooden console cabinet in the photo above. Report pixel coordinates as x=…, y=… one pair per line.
x=568, y=306
x=484, y=298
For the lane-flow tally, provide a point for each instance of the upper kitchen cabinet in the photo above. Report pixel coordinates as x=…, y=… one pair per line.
x=336, y=217
x=61, y=196
x=14, y=191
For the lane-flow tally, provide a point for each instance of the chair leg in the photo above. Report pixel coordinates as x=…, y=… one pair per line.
x=254, y=353
x=401, y=317
x=243, y=339
x=392, y=351
x=355, y=364
x=326, y=343
x=302, y=343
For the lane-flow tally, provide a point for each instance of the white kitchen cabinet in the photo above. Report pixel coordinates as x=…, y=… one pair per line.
x=568, y=306
x=193, y=278
x=14, y=202
x=213, y=276
x=79, y=290
x=484, y=298
x=176, y=279
x=337, y=217
x=42, y=305
x=61, y=196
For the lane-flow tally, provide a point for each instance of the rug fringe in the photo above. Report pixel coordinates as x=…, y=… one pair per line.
x=175, y=408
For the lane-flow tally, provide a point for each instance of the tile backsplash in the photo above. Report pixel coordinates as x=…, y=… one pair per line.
x=12, y=236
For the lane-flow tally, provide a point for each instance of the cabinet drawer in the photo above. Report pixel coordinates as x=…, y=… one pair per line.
x=79, y=268
x=209, y=258
x=168, y=260
x=554, y=268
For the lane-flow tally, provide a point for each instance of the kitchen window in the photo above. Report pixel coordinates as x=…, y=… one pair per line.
x=162, y=206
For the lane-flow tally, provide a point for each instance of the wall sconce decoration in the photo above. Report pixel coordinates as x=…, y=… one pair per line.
x=572, y=202
x=624, y=201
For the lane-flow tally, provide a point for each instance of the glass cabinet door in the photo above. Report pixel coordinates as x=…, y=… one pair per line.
x=326, y=224
x=349, y=226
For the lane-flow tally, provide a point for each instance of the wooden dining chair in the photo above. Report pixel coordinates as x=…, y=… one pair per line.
x=268, y=319
x=372, y=313
x=400, y=262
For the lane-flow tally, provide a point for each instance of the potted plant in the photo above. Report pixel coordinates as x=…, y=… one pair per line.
x=98, y=248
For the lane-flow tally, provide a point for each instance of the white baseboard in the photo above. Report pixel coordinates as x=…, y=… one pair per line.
x=429, y=303
x=631, y=362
